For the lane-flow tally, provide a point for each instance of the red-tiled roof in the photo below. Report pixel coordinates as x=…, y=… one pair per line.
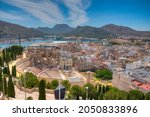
x=145, y=86
x=136, y=83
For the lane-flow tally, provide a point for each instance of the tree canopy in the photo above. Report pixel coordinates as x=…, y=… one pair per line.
x=136, y=95
x=104, y=74
x=115, y=94
x=54, y=84
x=147, y=96
x=76, y=91
x=66, y=84
x=30, y=80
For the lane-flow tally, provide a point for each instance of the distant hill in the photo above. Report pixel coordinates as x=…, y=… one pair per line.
x=107, y=31
x=57, y=29
x=126, y=32
x=43, y=29
x=8, y=30
x=91, y=32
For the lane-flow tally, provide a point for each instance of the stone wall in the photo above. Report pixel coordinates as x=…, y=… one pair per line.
x=121, y=81
x=50, y=91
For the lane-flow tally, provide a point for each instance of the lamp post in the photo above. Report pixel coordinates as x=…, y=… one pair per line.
x=86, y=92
x=25, y=82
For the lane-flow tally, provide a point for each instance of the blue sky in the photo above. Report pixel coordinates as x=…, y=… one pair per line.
x=47, y=13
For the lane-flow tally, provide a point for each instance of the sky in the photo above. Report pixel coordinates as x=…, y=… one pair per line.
x=47, y=13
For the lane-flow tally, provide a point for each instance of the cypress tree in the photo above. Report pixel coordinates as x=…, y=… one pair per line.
x=1, y=61
x=42, y=95
x=14, y=71
x=15, y=56
x=12, y=55
x=5, y=70
x=99, y=88
x=11, y=89
x=7, y=59
x=107, y=88
x=8, y=70
x=1, y=81
x=103, y=88
x=5, y=86
x=4, y=54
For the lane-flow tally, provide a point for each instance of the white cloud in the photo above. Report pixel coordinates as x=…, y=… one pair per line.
x=49, y=12
x=77, y=11
x=11, y=16
x=45, y=10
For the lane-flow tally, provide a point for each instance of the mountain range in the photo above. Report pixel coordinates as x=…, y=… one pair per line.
x=57, y=29
x=9, y=30
x=126, y=32
x=106, y=31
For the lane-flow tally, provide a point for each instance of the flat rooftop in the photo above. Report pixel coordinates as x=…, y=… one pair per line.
x=141, y=74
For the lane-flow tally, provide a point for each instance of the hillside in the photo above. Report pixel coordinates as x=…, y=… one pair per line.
x=57, y=29
x=91, y=32
x=126, y=32
x=8, y=30
x=107, y=31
